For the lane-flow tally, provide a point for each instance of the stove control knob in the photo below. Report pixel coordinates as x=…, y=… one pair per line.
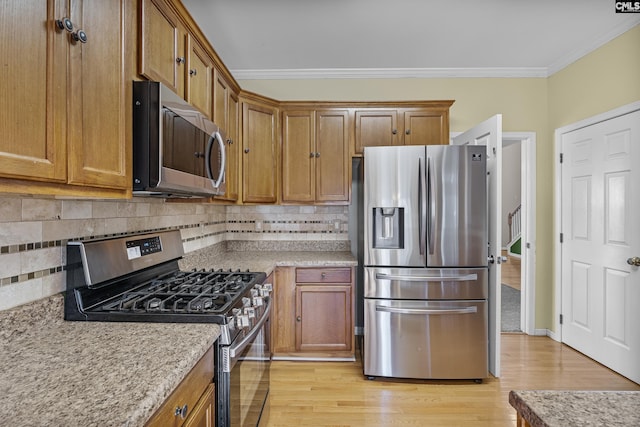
x=255, y=293
x=250, y=312
x=258, y=301
x=246, y=302
x=236, y=311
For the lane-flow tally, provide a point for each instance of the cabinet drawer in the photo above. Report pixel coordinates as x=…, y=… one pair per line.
x=187, y=393
x=323, y=275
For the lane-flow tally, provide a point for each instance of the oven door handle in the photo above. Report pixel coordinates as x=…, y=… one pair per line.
x=237, y=349
x=466, y=310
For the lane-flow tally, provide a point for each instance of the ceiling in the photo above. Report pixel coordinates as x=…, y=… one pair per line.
x=405, y=38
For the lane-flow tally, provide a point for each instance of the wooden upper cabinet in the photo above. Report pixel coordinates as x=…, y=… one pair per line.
x=199, y=74
x=426, y=127
x=375, y=128
x=99, y=104
x=34, y=101
x=226, y=114
x=333, y=177
x=259, y=152
x=298, y=156
x=389, y=124
x=315, y=156
x=64, y=106
x=162, y=45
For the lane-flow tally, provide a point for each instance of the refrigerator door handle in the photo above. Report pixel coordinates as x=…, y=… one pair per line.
x=405, y=278
x=422, y=206
x=466, y=310
x=431, y=203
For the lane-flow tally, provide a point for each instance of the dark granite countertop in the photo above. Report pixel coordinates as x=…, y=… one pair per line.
x=553, y=408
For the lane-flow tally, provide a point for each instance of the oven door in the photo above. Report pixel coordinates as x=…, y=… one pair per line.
x=243, y=386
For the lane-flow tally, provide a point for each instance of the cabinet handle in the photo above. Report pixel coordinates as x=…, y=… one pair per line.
x=408, y=131
x=395, y=131
x=299, y=319
x=64, y=24
x=323, y=275
x=246, y=150
x=79, y=36
x=181, y=412
x=193, y=72
x=180, y=59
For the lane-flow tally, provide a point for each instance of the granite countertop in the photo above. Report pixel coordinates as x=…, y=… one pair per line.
x=265, y=260
x=552, y=408
x=59, y=373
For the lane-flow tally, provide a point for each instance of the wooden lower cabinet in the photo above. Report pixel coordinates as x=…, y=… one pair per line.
x=313, y=313
x=192, y=402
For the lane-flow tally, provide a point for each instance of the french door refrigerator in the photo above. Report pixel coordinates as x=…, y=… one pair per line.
x=425, y=262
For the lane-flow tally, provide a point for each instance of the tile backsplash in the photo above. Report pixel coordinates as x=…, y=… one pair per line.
x=34, y=232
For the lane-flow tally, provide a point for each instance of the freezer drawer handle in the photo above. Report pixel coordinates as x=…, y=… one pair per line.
x=467, y=277
x=466, y=310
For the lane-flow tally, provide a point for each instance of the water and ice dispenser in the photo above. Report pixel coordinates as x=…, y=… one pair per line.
x=388, y=228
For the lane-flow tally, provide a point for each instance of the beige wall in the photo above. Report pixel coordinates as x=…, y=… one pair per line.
x=604, y=79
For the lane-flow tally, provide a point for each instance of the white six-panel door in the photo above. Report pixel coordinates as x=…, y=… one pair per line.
x=489, y=133
x=600, y=225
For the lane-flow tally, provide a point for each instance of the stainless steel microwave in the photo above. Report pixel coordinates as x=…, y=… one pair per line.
x=177, y=150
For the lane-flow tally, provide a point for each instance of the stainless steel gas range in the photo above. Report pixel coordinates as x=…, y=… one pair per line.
x=137, y=279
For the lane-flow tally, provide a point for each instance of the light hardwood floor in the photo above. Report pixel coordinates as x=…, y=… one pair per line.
x=337, y=394
x=511, y=271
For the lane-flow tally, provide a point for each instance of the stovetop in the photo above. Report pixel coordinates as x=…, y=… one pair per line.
x=137, y=278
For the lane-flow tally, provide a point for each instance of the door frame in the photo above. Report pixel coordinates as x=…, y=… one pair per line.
x=557, y=222
x=528, y=197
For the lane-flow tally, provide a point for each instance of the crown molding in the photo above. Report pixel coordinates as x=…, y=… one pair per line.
x=595, y=44
x=440, y=73
x=386, y=73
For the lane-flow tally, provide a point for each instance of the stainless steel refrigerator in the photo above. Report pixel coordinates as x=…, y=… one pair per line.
x=425, y=258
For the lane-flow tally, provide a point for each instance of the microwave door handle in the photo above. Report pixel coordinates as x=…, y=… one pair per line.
x=216, y=136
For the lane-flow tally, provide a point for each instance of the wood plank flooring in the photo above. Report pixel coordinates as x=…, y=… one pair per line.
x=511, y=271
x=337, y=394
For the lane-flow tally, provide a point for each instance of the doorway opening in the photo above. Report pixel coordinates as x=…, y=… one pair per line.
x=518, y=232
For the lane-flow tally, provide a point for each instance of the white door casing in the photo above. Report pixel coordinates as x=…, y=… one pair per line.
x=489, y=133
x=600, y=207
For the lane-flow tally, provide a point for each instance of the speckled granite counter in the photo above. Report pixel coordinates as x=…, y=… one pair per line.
x=546, y=408
x=59, y=373
x=264, y=260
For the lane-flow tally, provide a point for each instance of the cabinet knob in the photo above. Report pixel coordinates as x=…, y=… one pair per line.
x=229, y=141
x=79, y=36
x=64, y=24
x=312, y=154
x=395, y=131
x=408, y=131
x=181, y=412
x=299, y=318
x=193, y=72
x=317, y=154
x=198, y=154
x=180, y=59
x=246, y=150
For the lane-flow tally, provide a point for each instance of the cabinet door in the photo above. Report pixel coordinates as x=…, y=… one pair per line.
x=203, y=414
x=98, y=151
x=425, y=127
x=332, y=156
x=199, y=91
x=375, y=127
x=33, y=86
x=283, y=324
x=298, y=156
x=162, y=39
x=233, y=148
x=323, y=318
x=259, y=145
